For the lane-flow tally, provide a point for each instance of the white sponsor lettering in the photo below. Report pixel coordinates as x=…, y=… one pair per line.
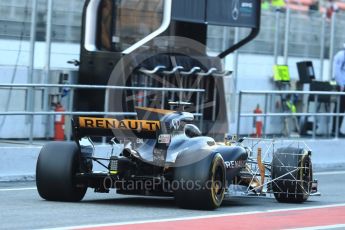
x=235, y=164
x=164, y=139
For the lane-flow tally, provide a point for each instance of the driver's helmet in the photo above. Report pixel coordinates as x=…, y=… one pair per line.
x=192, y=131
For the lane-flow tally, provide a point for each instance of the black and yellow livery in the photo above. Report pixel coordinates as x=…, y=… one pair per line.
x=113, y=127
x=108, y=123
x=165, y=154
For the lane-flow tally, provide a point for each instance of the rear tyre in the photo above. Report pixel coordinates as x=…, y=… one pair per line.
x=292, y=175
x=55, y=172
x=201, y=184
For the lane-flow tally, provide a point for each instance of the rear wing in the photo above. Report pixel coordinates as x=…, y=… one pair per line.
x=110, y=127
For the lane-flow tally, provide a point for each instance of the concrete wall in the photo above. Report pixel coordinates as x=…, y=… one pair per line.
x=15, y=53
x=18, y=163
x=60, y=54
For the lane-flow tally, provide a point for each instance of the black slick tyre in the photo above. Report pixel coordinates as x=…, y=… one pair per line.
x=201, y=184
x=292, y=175
x=55, y=172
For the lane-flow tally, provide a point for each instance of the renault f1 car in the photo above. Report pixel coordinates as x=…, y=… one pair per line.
x=166, y=155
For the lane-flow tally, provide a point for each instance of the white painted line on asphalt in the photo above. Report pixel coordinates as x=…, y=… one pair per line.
x=306, y=208
x=329, y=173
x=16, y=189
x=342, y=226
x=194, y=217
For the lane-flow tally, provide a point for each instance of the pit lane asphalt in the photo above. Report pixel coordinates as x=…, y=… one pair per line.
x=22, y=208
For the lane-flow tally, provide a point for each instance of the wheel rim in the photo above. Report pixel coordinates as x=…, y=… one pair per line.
x=218, y=185
x=306, y=175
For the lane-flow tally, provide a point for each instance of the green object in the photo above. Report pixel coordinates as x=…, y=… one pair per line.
x=265, y=5
x=278, y=3
x=281, y=73
x=291, y=106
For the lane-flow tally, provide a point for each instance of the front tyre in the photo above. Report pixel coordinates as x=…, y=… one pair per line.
x=201, y=184
x=57, y=165
x=292, y=175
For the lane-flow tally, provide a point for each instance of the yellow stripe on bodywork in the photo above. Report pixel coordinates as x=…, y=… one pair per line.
x=159, y=111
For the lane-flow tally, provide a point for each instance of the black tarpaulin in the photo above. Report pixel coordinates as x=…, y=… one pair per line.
x=189, y=10
x=235, y=13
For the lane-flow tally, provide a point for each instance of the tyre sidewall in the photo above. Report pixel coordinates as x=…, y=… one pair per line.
x=201, y=174
x=55, y=172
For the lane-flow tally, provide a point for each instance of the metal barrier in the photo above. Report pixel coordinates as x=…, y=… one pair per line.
x=31, y=88
x=268, y=95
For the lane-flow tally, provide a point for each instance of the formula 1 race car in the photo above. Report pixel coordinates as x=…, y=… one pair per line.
x=168, y=156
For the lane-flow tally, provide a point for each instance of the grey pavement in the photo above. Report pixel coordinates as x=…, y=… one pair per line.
x=24, y=209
